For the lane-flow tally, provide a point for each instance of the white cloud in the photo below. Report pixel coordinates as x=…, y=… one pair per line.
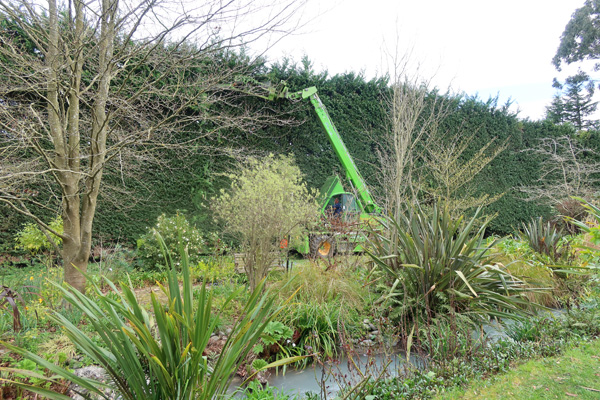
x=473, y=45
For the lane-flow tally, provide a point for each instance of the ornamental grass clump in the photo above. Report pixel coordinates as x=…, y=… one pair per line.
x=157, y=354
x=434, y=264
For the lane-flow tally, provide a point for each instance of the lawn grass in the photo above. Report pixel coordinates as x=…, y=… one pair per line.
x=574, y=375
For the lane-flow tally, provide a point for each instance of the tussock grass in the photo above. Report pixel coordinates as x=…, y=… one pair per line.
x=319, y=286
x=328, y=304
x=534, y=276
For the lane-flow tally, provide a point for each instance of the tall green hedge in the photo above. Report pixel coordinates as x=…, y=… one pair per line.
x=355, y=105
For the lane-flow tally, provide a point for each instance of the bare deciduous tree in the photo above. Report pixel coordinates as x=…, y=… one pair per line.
x=568, y=168
x=412, y=121
x=452, y=174
x=418, y=158
x=86, y=84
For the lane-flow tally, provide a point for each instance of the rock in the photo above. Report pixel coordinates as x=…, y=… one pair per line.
x=91, y=372
x=372, y=327
x=262, y=377
x=228, y=331
x=213, y=340
x=376, y=333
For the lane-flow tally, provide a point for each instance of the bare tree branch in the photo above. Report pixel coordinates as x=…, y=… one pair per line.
x=568, y=168
x=91, y=85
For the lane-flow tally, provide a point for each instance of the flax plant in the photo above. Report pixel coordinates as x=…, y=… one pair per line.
x=545, y=238
x=435, y=264
x=157, y=354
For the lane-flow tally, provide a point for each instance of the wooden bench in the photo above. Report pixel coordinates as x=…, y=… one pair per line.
x=238, y=262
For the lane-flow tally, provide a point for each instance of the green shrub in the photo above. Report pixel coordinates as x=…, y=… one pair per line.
x=266, y=202
x=140, y=279
x=32, y=239
x=414, y=385
x=584, y=318
x=551, y=333
x=537, y=329
x=176, y=231
x=255, y=391
x=212, y=271
x=275, y=333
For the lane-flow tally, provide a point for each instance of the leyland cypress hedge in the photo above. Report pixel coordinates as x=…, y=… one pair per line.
x=356, y=106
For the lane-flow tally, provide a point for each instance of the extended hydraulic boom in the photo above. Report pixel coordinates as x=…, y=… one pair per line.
x=280, y=91
x=357, y=181
x=338, y=206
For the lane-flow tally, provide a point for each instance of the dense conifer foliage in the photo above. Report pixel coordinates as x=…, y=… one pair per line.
x=356, y=106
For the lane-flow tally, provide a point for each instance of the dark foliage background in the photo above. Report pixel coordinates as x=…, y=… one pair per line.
x=186, y=182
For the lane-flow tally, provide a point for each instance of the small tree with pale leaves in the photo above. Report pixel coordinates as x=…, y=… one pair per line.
x=267, y=202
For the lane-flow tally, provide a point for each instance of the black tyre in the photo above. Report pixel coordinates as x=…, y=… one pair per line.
x=321, y=246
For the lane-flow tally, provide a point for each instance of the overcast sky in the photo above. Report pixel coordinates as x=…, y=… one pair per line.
x=476, y=46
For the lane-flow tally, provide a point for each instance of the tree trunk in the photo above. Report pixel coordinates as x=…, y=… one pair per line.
x=78, y=208
x=75, y=265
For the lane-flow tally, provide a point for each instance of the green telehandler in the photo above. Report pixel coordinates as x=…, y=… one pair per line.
x=343, y=213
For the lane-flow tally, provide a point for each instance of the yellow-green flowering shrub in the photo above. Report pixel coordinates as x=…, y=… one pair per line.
x=174, y=230
x=32, y=239
x=267, y=201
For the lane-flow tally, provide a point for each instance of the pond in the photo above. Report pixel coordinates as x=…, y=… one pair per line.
x=325, y=379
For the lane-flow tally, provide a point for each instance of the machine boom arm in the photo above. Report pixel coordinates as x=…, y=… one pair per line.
x=343, y=154
x=280, y=91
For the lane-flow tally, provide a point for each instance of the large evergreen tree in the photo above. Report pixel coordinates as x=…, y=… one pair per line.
x=581, y=38
x=575, y=104
x=555, y=112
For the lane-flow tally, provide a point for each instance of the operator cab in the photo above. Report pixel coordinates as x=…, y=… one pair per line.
x=343, y=206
